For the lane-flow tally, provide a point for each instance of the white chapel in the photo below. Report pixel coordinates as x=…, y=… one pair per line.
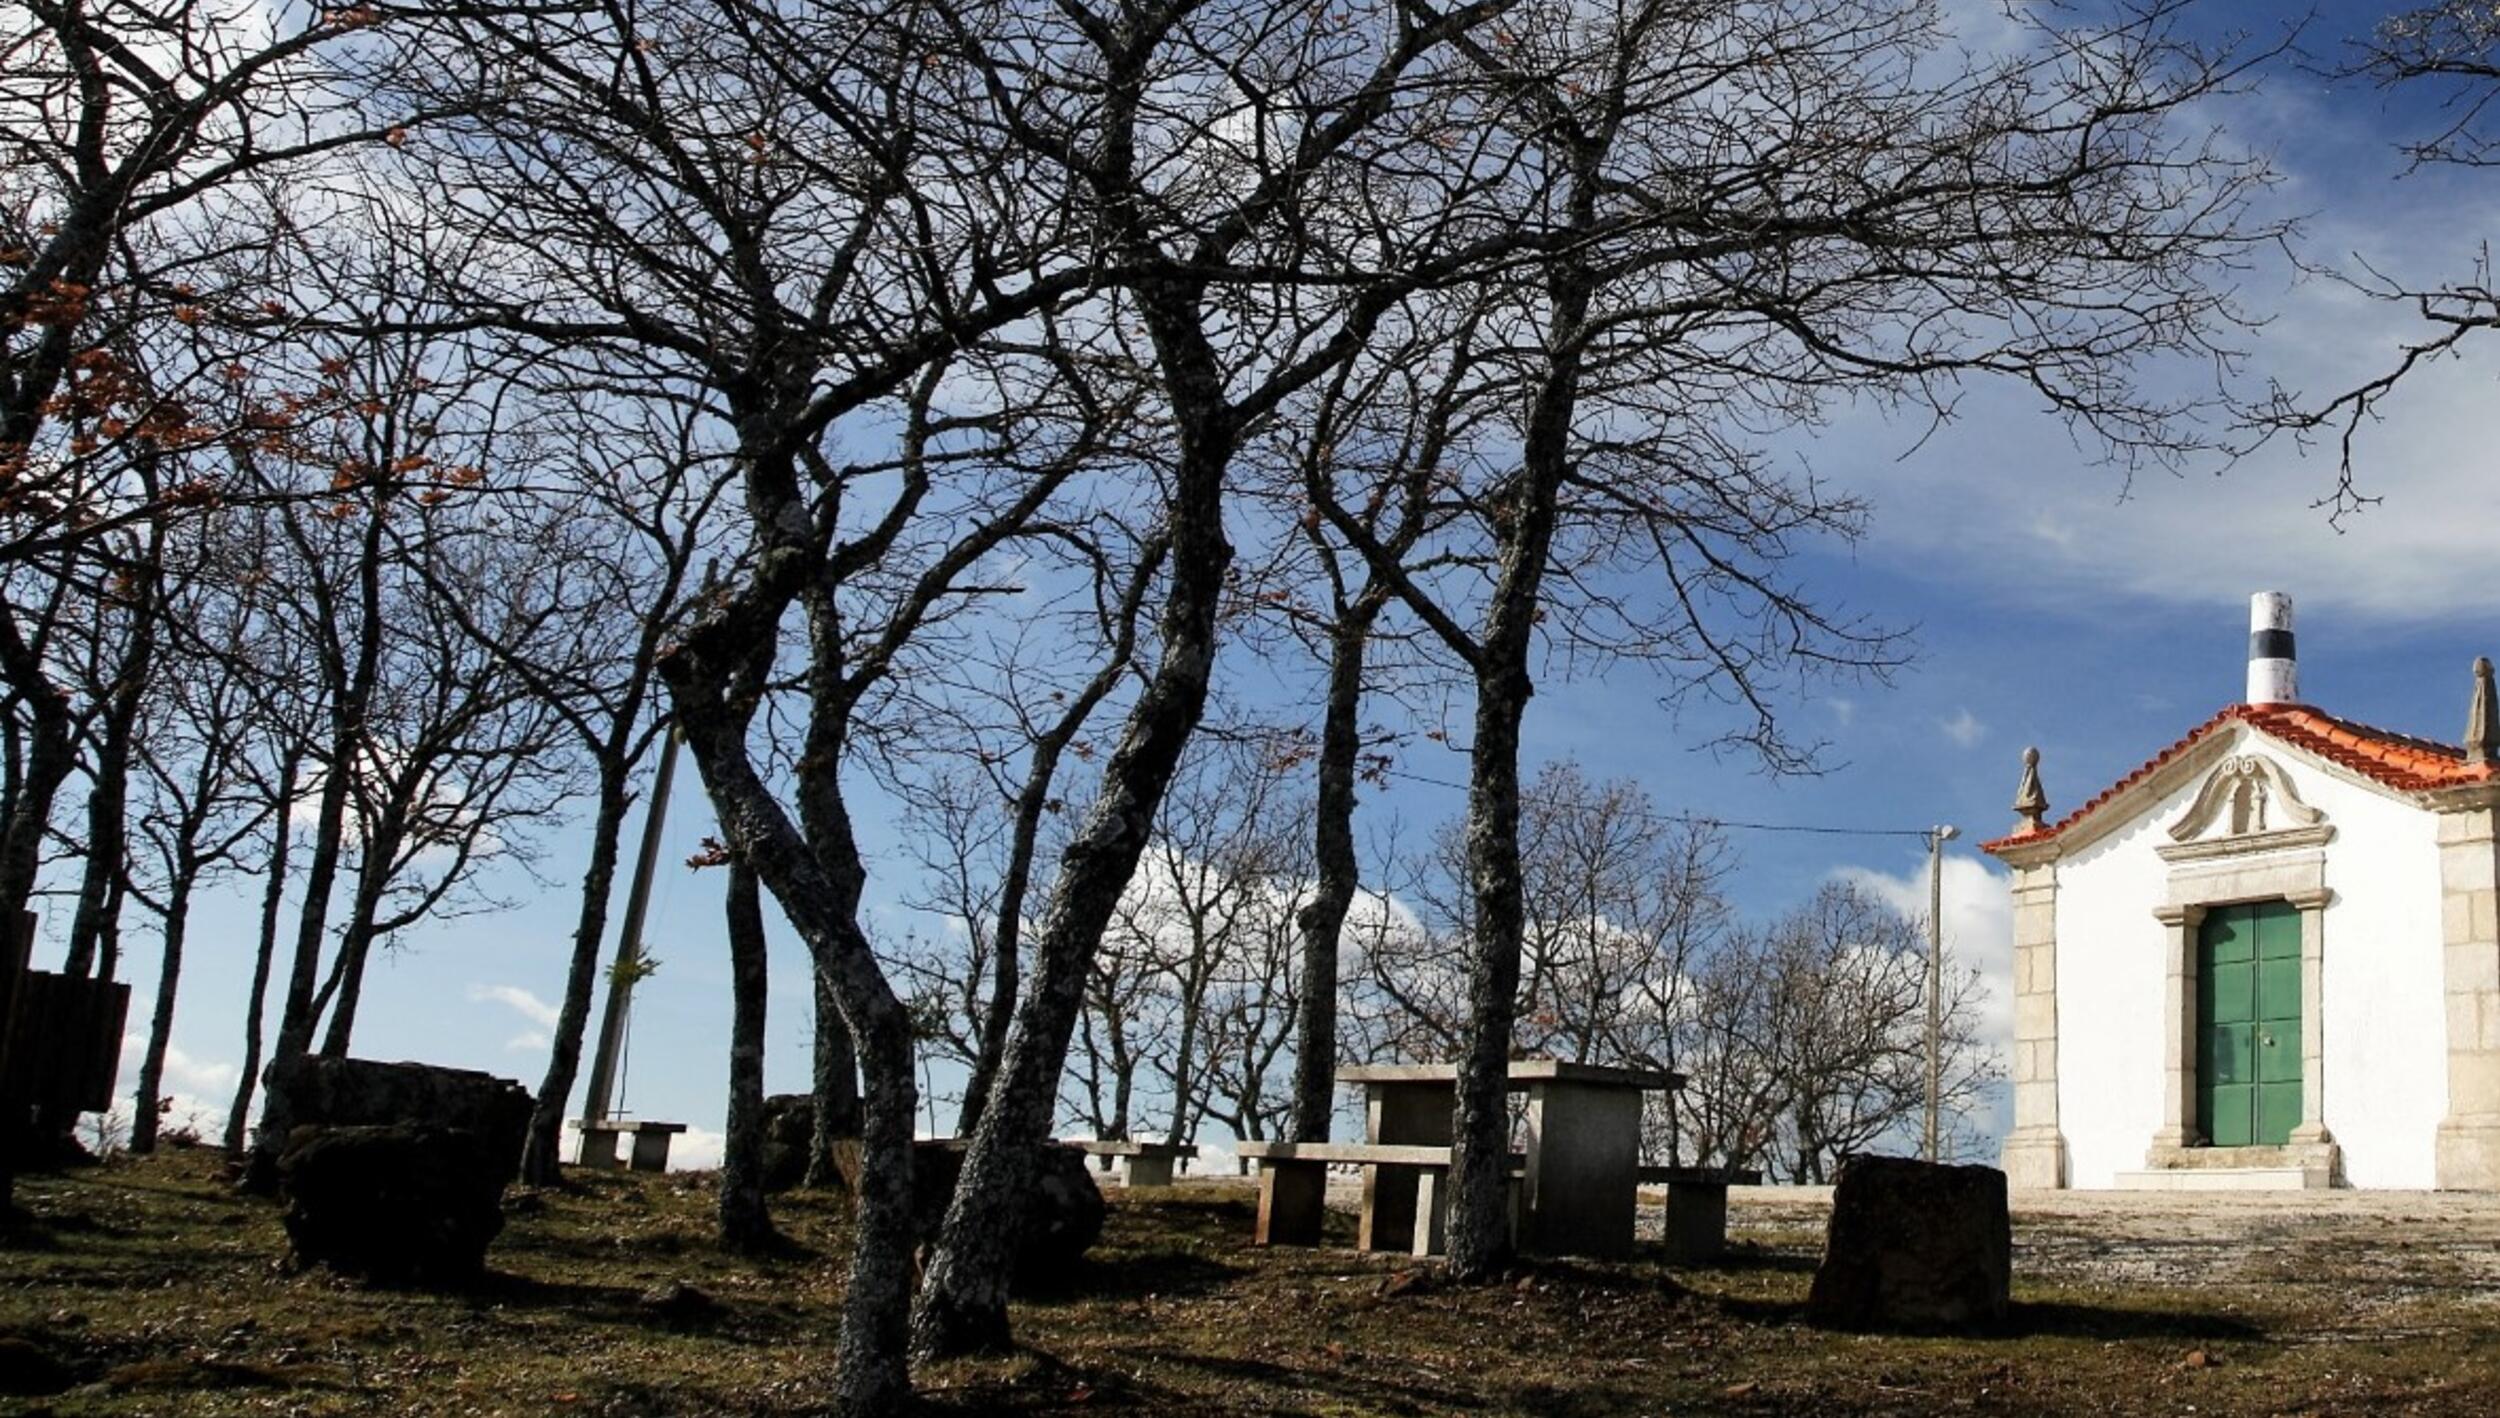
x=2269, y=957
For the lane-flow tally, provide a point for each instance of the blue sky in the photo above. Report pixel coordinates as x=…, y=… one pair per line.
x=2053, y=603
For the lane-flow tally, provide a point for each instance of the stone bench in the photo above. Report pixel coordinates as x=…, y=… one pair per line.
x=1696, y=1227
x=1149, y=1163
x=1293, y=1193
x=651, y=1141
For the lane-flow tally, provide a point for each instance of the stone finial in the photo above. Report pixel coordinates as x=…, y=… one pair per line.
x=2031, y=805
x=2482, y=721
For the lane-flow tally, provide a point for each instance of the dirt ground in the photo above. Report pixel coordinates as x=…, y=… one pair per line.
x=149, y=1288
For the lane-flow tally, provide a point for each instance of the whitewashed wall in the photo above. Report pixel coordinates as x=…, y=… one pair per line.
x=2386, y=1080
x=2109, y=995
x=2386, y=1022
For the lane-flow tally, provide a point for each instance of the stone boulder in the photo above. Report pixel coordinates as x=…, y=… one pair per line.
x=1915, y=1246
x=408, y=1203
x=1062, y=1214
x=27, y=1370
x=313, y=1091
x=789, y=1131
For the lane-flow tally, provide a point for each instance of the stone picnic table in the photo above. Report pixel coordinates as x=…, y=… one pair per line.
x=1576, y=1186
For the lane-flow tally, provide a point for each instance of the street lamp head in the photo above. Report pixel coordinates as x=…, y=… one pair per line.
x=1947, y=834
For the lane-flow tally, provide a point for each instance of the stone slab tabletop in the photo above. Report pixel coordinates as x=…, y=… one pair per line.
x=1523, y=1073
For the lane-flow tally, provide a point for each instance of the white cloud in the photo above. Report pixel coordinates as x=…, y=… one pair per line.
x=197, y=1092
x=2007, y=497
x=1964, y=728
x=528, y=1041
x=1843, y=709
x=1978, y=928
x=183, y=1072
x=696, y=1149
x=530, y=1006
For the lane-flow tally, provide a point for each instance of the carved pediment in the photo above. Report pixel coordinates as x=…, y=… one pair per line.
x=2247, y=796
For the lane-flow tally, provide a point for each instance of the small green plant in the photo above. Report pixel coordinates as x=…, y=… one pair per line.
x=634, y=968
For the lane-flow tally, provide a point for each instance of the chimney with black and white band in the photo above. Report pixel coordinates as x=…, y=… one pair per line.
x=2273, y=667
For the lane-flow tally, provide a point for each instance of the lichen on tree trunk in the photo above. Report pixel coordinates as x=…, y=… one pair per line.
x=746, y=1222
x=834, y=1083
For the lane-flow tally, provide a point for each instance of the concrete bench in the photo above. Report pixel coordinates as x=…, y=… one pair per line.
x=1696, y=1227
x=651, y=1141
x=1149, y=1163
x=1293, y=1193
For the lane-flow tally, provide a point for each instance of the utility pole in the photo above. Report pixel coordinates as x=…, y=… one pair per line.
x=1936, y=838
x=629, y=947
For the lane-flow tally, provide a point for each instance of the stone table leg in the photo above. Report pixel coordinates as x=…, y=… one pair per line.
x=651, y=1151
x=1431, y=1232
x=1584, y=1167
x=1400, y=1114
x=1696, y=1221
x=598, y=1149
x=1293, y=1201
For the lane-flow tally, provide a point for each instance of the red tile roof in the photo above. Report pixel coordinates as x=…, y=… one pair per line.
x=2399, y=761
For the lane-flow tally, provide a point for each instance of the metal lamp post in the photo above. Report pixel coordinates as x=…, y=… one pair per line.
x=1936, y=838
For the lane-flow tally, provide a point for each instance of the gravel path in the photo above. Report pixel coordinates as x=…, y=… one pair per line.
x=2350, y=1257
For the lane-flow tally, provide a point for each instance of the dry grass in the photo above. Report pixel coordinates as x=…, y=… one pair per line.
x=160, y=1292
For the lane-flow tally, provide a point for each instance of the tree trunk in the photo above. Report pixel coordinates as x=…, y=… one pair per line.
x=1321, y=921
x=835, y=1084
x=871, y=1376
x=963, y=1296
x=345, y=988
x=282, y=837
x=106, y=817
x=107, y=810
x=541, y=1154
x=143, y=1117
x=999, y=1012
x=1479, y=1229
x=347, y=973
x=51, y=755
x=746, y=1224
x=997, y=1017
x=1185, y=1048
x=108, y=943
x=296, y=1016
x=351, y=688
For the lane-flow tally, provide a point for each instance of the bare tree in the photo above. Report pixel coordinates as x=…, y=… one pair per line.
x=1020, y=702
x=1225, y=355
x=460, y=759
x=2449, y=50
x=613, y=524
x=133, y=605
x=1383, y=421
x=1194, y=913
x=1622, y=903
x=198, y=809
x=1815, y=1042
x=1751, y=210
x=277, y=667
x=778, y=211
x=138, y=141
x=1256, y=1006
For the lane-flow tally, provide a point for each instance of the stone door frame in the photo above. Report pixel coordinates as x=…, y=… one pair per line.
x=2255, y=868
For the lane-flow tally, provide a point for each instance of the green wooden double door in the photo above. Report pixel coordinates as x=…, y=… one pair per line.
x=2248, y=1024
